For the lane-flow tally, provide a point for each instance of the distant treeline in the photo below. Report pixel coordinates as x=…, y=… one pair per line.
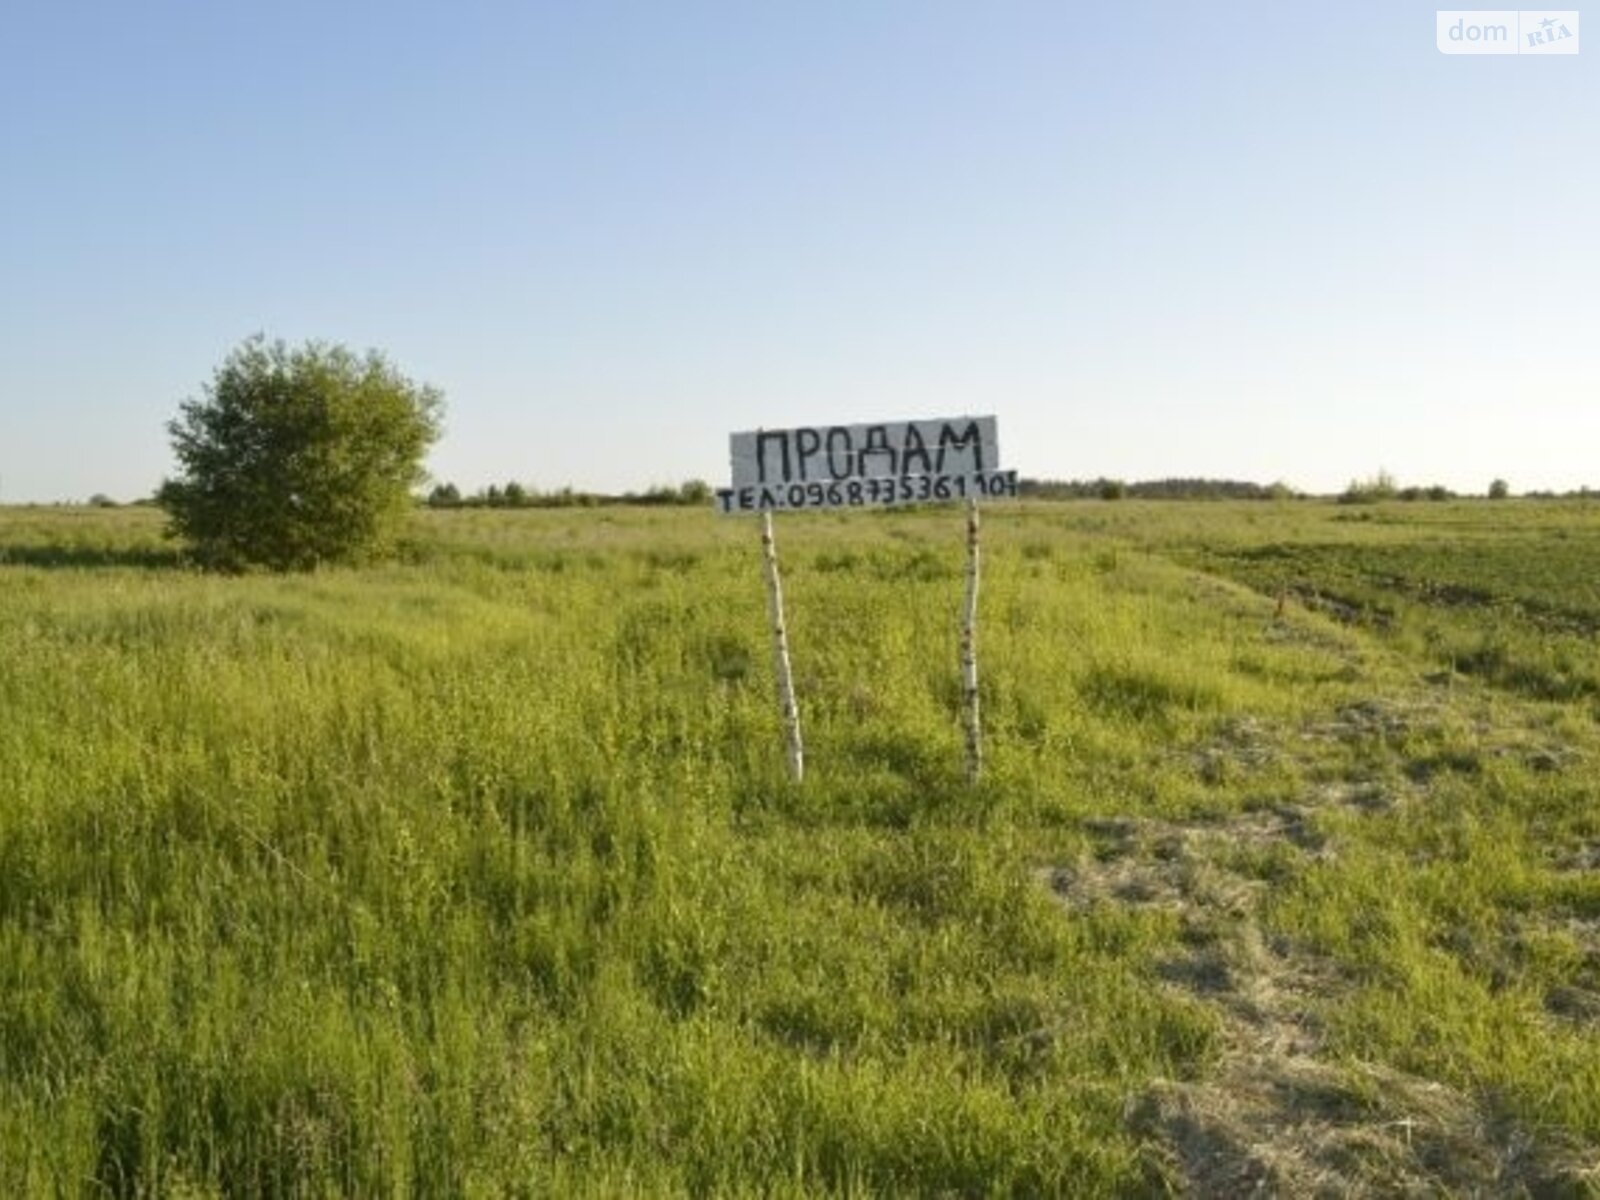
x=696, y=492
x=1363, y=491
x=517, y=495
x=1382, y=486
x=1154, y=489
x=1583, y=493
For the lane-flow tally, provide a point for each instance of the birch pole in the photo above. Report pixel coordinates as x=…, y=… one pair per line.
x=969, y=649
x=780, y=652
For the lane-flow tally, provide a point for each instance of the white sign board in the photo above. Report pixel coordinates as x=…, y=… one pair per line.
x=865, y=466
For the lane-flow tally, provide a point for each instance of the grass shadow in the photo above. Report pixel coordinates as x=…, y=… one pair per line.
x=53, y=557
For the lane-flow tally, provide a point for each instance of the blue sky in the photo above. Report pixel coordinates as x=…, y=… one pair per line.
x=1269, y=241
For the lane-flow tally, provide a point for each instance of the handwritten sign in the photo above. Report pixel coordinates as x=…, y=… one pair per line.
x=865, y=466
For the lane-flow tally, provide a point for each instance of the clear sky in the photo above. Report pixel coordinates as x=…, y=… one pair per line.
x=1256, y=240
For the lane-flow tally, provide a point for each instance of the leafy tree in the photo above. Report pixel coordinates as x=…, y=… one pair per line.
x=296, y=457
x=516, y=496
x=1380, y=487
x=1499, y=490
x=445, y=495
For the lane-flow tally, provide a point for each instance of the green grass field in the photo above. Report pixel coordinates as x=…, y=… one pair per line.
x=479, y=873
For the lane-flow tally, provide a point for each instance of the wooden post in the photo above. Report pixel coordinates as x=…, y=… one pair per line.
x=969, y=649
x=780, y=652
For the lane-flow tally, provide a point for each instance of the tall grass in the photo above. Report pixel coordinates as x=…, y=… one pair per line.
x=480, y=873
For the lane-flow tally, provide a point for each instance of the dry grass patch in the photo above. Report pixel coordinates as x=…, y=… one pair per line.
x=1278, y=1115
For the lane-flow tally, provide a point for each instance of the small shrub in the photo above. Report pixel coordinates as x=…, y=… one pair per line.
x=297, y=457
